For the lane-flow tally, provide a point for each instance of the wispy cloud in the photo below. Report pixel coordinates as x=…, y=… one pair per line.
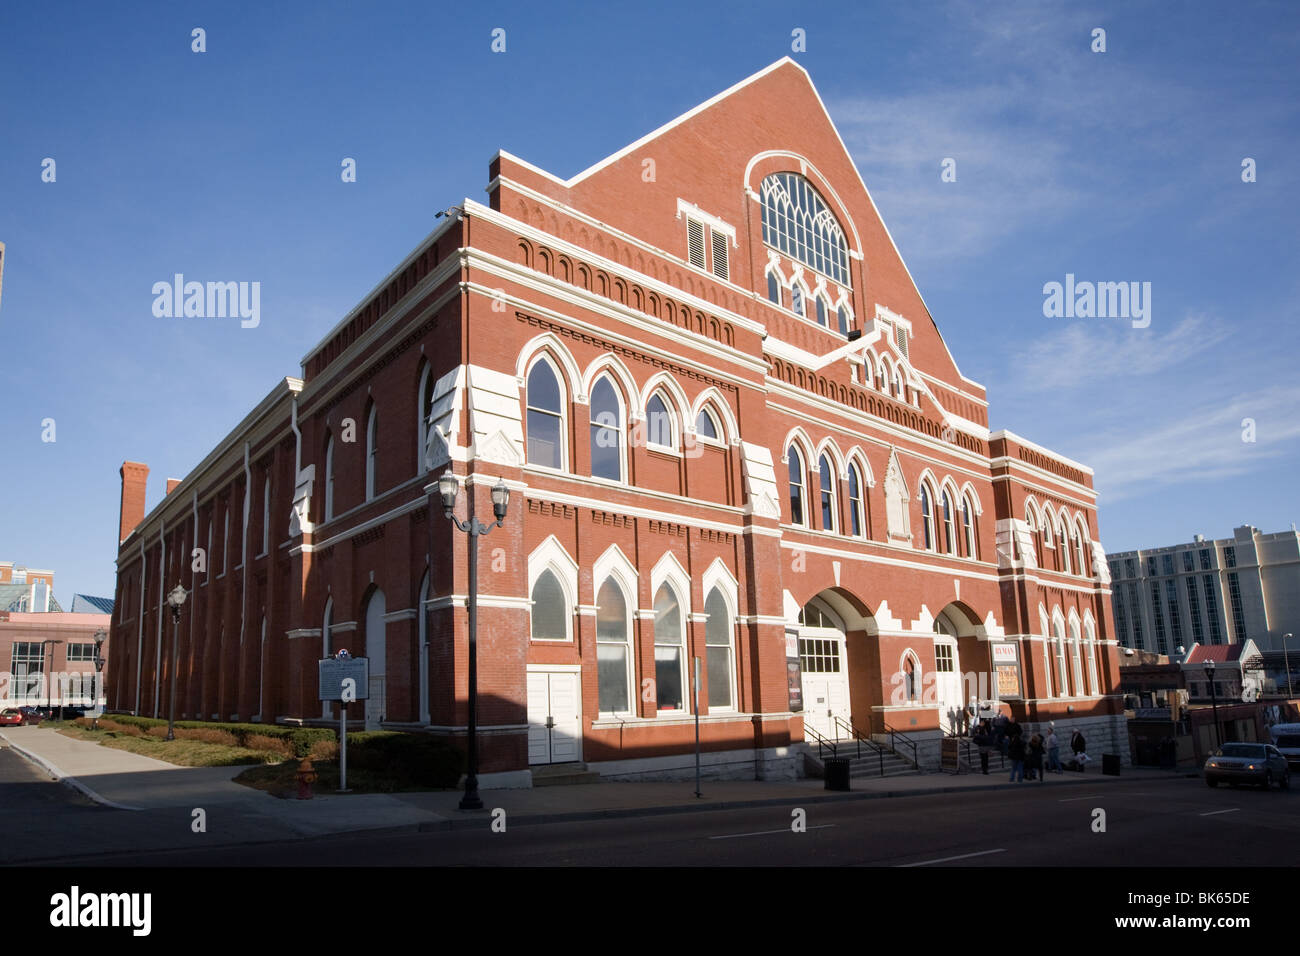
x=1204, y=443
x=1097, y=352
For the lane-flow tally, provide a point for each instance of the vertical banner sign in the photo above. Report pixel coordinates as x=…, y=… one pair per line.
x=794, y=674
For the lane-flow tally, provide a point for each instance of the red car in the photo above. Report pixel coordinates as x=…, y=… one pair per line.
x=10, y=717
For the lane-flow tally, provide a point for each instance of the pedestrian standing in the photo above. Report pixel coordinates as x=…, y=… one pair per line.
x=1035, y=758
x=1016, y=752
x=984, y=742
x=1078, y=745
x=1053, y=751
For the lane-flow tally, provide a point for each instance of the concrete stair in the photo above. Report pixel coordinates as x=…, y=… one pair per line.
x=563, y=774
x=868, y=765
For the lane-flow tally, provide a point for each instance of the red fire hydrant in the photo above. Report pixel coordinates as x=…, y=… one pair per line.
x=306, y=777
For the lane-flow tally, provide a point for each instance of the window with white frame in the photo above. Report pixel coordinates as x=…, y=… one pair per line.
x=613, y=634
x=225, y=541
x=329, y=479
x=550, y=609
x=773, y=287
x=423, y=413
x=1076, y=660
x=856, y=516
x=719, y=653
x=372, y=452
x=821, y=311
x=1092, y=657
x=545, y=416
x=827, y=476
x=266, y=515
x=670, y=658
x=659, y=422
x=696, y=236
x=797, y=299
x=843, y=313
x=949, y=532
x=796, y=484
x=968, y=527
x=706, y=426
x=81, y=651
x=927, y=517
x=797, y=221
x=1062, y=680
x=606, y=431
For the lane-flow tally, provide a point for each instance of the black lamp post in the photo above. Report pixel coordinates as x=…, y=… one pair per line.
x=175, y=598
x=448, y=485
x=1214, y=702
x=100, y=637
x=49, y=683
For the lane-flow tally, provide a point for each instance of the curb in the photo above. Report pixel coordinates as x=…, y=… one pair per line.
x=815, y=796
x=63, y=778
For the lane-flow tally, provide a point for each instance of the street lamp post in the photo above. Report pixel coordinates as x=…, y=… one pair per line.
x=448, y=485
x=1286, y=657
x=174, y=601
x=1214, y=702
x=100, y=637
x=49, y=684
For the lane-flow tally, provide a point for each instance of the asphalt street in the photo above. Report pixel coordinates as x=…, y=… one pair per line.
x=1163, y=822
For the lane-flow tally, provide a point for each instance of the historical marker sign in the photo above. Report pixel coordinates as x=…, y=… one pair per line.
x=335, y=671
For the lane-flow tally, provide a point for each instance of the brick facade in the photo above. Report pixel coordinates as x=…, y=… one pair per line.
x=594, y=276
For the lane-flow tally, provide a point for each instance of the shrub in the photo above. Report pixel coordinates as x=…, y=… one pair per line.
x=208, y=735
x=276, y=745
x=324, y=750
x=299, y=740
x=417, y=760
x=157, y=732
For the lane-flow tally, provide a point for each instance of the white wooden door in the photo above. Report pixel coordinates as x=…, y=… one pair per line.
x=825, y=682
x=554, y=717
x=947, y=681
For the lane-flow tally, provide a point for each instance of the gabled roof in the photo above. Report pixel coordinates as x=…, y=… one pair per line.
x=1219, y=653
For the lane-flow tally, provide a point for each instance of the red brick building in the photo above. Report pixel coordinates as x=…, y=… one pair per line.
x=731, y=430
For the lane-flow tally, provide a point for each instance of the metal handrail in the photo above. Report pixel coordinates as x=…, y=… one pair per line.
x=906, y=739
x=841, y=723
x=822, y=742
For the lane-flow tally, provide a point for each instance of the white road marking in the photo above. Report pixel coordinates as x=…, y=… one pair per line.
x=1215, y=812
x=946, y=859
x=732, y=836
x=1091, y=796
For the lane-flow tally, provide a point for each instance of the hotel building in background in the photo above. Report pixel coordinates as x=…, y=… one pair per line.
x=732, y=432
x=1209, y=592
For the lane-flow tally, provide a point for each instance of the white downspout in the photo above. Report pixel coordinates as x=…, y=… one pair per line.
x=162, y=594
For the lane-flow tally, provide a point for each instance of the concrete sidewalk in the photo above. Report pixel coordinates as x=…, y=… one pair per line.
x=168, y=796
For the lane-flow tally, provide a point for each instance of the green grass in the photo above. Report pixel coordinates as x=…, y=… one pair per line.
x=183, y=753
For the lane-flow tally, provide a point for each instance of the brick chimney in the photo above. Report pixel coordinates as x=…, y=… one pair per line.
x=134, y=475
x=171, y=484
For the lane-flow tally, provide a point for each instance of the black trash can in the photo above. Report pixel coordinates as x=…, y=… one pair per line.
x=837, y=773
x=1110, y=765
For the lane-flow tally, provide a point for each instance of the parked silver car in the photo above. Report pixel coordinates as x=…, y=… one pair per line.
x=1259, y=764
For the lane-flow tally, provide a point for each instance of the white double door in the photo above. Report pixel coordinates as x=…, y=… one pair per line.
x=826, y=706
x=554, y=716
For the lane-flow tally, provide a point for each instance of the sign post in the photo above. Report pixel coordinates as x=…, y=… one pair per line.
x=696, y=692
x=344, y=678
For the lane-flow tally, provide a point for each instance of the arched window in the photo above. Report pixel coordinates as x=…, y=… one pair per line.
x=670, y=661
x=1076, y=661
x=706, y=426
x=828, y=493
x=1063, y=553
x=545, y=422
x=796, y=299
x=927, y=517
x=968, y=528
x=773, y=288
x=868, y=370
x=423, y=415
x=612, y=659
x=821, y=311
x=1092, y=658
x=856, y=517
x=266, y=515
x=550, y=609
x=898, y=384
x=720, y=658
x=372, y=452
x=949, y=535
x=886, y=375
x=909, y=678
x=606, y=431
x=1062, y=680
x=659, y=423
x=329, y=477
x=225, y=541
x=1080, y=563
x=796, y=485
x=797, y=221
x=843, y=312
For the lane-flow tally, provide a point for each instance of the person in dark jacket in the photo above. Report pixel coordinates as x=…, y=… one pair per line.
x=1078, y=745
x=1016, y=753
x=1034, y=758
x=984, y=740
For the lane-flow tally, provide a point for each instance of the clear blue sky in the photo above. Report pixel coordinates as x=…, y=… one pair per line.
x=1115, y=166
